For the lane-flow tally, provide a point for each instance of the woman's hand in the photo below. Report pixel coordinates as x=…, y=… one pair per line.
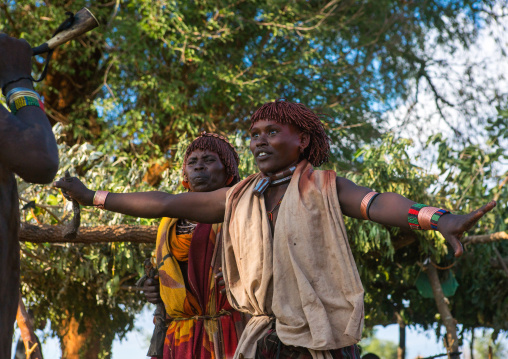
x=75, y=189
x=152, y=290
x=453, y=226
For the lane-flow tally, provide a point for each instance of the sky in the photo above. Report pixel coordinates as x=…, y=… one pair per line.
x=418, y=341
x=136, y=342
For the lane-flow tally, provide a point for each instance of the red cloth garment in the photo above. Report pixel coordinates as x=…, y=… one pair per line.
x=202, y=325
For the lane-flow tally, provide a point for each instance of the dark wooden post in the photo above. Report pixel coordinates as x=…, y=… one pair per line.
x=32, y=349
x=401, y=349
x=452, y=341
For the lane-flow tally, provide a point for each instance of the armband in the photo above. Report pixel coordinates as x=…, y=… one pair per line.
x=366, y=203
x=421, y=216
x=99, y=198
x=20, y=97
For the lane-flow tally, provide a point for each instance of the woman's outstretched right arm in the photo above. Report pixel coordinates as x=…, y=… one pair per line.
x=203, y=207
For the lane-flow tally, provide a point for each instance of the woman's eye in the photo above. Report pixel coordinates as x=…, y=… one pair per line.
x=273, y=132
x=255, y=135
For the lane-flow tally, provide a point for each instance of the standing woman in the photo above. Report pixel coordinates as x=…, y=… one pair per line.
x=201, y=322
x=286, y=256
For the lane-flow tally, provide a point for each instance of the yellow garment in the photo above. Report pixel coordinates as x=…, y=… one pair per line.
x=180, y=245
x=304, y=273
x=178, y=301
x=172, y=285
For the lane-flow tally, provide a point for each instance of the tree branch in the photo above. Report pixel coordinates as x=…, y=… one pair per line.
x=101, y=234
x=501, y=185
x=501, y=261
x=485, y=238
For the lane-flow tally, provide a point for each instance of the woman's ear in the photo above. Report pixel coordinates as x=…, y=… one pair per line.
x=304, y=141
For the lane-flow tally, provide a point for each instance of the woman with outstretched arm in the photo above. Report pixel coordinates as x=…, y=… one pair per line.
x=285, y=256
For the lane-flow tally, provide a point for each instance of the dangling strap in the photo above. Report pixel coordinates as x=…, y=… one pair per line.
x=67, y=23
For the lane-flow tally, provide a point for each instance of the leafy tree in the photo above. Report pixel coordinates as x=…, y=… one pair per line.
x=385, y=349
x=129, y=95
x=486, y=343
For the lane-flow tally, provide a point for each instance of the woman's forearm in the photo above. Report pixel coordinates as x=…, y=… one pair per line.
x=204, y=207
x=390, y=209
x=142, y=204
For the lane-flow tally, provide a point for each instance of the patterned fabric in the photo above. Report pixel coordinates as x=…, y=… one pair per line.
x=23, y=101
x=202, y=323
x=270, y=347
x=435, y=218
x=180, y=245
x=412, y=216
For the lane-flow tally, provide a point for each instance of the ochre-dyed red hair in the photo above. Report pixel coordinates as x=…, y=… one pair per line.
x=305, y=120
x=221, y=146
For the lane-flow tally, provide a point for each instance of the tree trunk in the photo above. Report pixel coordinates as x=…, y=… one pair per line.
x=79, y=343
x=401, y=350
x=101, y=234
x=452, y=341
x=471, y=346
x=25, y=324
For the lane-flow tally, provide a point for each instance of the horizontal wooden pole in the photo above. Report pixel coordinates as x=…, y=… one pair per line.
x=100, y=234
x=147, y=234
x=485, y=238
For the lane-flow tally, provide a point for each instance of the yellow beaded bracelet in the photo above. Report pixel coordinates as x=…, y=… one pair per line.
x=17, y=103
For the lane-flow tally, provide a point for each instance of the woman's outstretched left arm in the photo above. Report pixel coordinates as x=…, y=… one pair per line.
x=392, y=209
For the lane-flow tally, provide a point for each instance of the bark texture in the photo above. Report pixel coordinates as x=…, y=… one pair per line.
x=32, y=349
x=78, y=344
x=401, y=349
x=452, y=341
x=485, y=238
x=101, y=234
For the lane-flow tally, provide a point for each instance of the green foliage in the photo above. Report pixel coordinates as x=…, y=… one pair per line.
x=471, y=176
x=498, y=346
x=133, y=93
x=385, y=349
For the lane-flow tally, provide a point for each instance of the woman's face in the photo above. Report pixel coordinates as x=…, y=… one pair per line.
x=275, y=146
x=205, y=171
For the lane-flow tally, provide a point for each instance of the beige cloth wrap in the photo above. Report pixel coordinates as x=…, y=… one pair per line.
x=306, y=276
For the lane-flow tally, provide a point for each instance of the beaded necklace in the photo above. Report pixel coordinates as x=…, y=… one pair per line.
x=276, y=179
x=270, y=213
x=183, y=226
